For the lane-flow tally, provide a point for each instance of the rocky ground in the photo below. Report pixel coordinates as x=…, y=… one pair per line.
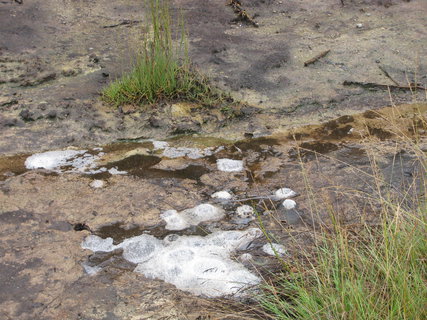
x=45, y=215
x=55, y=58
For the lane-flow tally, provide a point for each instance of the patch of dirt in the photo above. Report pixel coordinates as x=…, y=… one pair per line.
x=45, y=217
x=55, y=58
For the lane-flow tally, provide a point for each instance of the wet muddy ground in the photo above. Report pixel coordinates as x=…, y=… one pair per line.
x=319, y=129
x=46, y=215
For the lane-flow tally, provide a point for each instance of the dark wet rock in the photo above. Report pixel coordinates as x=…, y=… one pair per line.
x=93, y=58
x=186, y=126
x=63, y=226
x=157, y=122
x=380, y=133
x=27, y=115
x=40, y=79
x=14, y=217
x=8, y=122
x=128, y=109
x=309, y=150
x=8, y=102
x=267, y=168
x=52, y=114
x=69, y=72
x=369, y=114
x=97, y=124
x=345, y=119
x=64, y=114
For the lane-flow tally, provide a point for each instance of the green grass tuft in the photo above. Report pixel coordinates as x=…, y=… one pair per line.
x=376, y=273
x=162, y=70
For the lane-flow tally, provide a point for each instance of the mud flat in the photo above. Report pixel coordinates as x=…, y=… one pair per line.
x=133, y=221
x=94, y=199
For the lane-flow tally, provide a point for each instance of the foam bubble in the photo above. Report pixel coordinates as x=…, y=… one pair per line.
x=229, y=165
x=91, y=270
x=289, y=204
x=192, y=153
x=95, y=243
x=139, y=249
x=284, y=193
x=160, y=145
x=245, y=211
x=273, y=248
x=191, y=217
x=222, y=195
x=115, y=171
x=52, y=160
x=75, y=161
x=97, y=184
x=199, y=265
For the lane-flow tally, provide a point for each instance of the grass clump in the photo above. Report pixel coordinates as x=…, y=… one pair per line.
x=376, y=272
x=381, y=277
x=162, y=70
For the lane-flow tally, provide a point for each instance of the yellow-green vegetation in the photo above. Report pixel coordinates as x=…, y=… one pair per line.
x=162, y=70
x=382, y=275
x=378, y=271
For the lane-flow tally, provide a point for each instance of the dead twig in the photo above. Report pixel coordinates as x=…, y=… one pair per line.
x=370, y=85
x=388, y=75
x=242, y=15
x=122, y=23
x=314, y=59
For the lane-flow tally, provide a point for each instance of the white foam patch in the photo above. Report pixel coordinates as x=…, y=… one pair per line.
x=199, y=265
x=158, y=145
x=229, y=165
x=222, y=195
x=289, y=204
x=91, y=270
x=191, y=217
x=114, y=171
x=192, y=153
x=246, y=257
x=74, y=161
x=245, y=211
x=95, y=243
x=284, y=193
x=52, y=160
x=273, y=248
x=96, y=184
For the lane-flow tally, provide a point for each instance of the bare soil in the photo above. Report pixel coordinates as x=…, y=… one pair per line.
x=56, y=56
